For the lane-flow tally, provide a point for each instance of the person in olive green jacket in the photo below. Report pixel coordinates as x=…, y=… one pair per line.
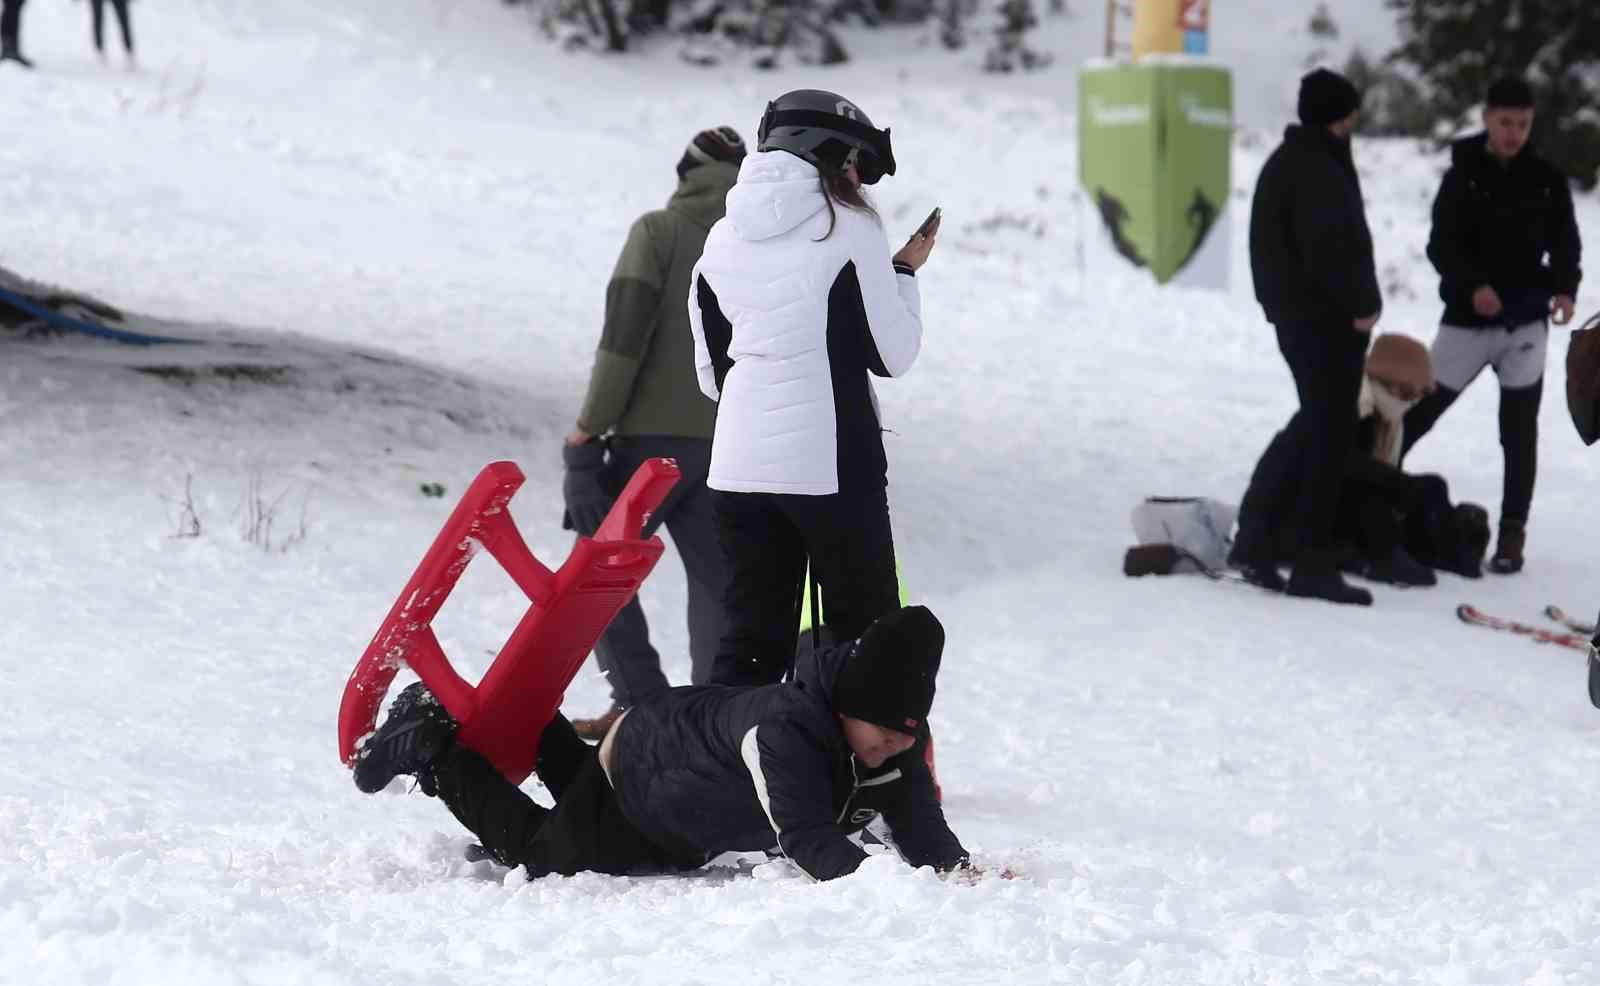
x=644, y=401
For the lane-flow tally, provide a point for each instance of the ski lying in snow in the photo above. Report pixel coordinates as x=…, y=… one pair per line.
x=1571, y=623
x=1477, y=617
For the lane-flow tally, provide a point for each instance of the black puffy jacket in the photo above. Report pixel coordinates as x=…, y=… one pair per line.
x=702, y=770
x=1310, y=248
x=1493, y=224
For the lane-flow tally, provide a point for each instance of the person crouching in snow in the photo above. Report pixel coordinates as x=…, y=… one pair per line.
x=696, y=771
x=1390, y=526
x=1378, y=498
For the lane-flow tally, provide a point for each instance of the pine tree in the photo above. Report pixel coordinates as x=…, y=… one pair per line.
x=770, y=33
x=1457, y=47
x=1013, y=19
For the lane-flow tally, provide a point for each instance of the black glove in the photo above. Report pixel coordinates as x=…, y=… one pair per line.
x=584, y=487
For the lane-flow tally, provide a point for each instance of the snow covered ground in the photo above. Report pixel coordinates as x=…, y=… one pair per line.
x=391, y=222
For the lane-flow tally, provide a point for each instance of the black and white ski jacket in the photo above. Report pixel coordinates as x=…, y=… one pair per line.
x=702, y=770
x=788, y=322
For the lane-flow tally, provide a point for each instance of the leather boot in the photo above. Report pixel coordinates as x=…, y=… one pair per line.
x=1508, y=549
x=1325, y=582
x=1400, y=569
x=1261, y=572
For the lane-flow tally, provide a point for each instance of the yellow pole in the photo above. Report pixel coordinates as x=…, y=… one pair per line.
x=1156, y=27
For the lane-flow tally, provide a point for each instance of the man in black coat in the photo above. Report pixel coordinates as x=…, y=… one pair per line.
x=1311, y=257
x=696, y=771
x=1505, y=243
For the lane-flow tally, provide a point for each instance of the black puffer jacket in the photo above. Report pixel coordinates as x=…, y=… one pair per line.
x=1310, y=248
x=702, y=770
x=1493, y=224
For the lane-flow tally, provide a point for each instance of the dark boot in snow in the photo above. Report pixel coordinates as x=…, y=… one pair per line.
x=11, y=53
x=1326, y=583
x=1400, y=569
x=416, y=732
x=1260, y=572
x=1508, y=549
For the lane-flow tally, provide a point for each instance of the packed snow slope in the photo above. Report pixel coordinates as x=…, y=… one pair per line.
x=389, y=224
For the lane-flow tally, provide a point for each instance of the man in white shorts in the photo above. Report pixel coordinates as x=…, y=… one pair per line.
x=1505, y=243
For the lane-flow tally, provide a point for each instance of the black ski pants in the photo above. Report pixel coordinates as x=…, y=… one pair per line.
x=768, y=538
x=624, y=652
x=10, y=23
x=97, y=15
x=1326, y=359
x=1519, y=441
x=585, y=831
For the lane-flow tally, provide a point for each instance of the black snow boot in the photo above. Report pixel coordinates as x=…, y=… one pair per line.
x=1326, y=583
x=416, y=732
x=1400, y=569
x=1258, y=571
x=1507, y=558
x=11, y=53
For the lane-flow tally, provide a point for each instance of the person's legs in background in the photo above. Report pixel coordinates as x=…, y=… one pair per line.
x=624, y=653
x=11, y=32
x=693, y=526
x=97, y=25
x=1458, y=355
x=851, y=550
x=1326, y=361
x=1520, y=367
x=766, y=565
x=125, y=22
x=1261, y=511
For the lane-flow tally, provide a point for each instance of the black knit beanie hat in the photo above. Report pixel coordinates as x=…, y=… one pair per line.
x=1326, y=97
x=1509, y=93
x=717, y=144
x=889, y=678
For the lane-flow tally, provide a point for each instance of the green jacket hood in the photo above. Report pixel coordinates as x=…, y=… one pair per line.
x=701, y=197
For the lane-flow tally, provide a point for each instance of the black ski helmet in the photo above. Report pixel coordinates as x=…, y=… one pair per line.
x=829, y=131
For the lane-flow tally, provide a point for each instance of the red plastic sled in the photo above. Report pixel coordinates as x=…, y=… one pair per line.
x=503, y=715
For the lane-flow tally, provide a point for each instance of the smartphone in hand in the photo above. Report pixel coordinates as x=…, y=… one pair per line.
x=929, y=223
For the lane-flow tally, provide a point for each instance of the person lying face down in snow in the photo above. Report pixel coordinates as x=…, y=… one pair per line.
x=697, y=771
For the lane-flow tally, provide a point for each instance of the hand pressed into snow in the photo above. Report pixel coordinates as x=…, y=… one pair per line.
x=969, y=875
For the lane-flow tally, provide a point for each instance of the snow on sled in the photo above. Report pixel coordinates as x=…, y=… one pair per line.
x=503, y=715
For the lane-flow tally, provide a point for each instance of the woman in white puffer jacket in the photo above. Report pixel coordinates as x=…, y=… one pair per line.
x=795, y=301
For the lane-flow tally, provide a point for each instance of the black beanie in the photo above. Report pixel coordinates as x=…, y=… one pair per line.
x=1326, y=97
x=1509, y=93
x=717, y=144
x=888, y=680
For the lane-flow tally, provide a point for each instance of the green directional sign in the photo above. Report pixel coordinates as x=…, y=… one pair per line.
x=1155, y=140
x=1117, y=153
